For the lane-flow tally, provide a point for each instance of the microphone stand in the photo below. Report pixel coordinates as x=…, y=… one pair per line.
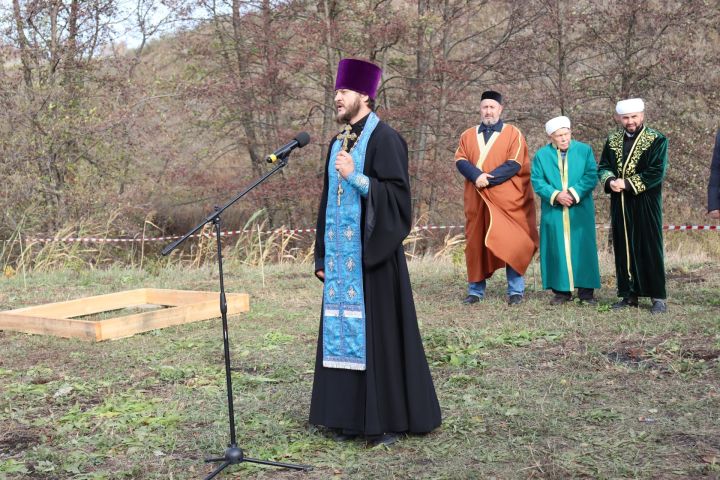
x=233, y=454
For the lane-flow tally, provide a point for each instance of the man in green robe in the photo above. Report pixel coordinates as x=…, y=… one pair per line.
x=564, y=174
x=632, y=168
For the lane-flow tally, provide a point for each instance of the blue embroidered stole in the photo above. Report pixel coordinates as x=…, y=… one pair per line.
x=344, y=343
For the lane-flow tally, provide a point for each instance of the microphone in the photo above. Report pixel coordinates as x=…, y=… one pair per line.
x=300, y=140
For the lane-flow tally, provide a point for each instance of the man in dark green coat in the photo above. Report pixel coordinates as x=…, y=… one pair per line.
x=564, y=174
x=714, y=183
x=632, y=168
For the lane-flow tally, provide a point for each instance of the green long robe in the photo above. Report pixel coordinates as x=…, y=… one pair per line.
x=636, y=213
x=568, y=247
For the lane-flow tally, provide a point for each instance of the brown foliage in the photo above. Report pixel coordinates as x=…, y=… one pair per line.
x=182, y=123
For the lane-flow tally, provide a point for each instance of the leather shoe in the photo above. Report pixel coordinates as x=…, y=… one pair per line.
x=384, y=440
x=625, y=303
x=470, y=299
x=658, y=306
x=343, y=437
x=515, y=299
x=560, y=299
x=589, y=301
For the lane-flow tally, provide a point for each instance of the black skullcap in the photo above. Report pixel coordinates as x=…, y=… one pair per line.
x=491, y=95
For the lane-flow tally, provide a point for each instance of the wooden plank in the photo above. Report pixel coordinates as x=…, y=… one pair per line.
x=52, y=318
x=85, y=306
x=142, y=322
x=167, y=297
x=60, y=327
x=237, y=303
x=158, y=296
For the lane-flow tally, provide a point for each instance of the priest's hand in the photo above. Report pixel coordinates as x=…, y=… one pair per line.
x=344, y=164
x=714, y=214
x=617, y=185
x=564, y=199
x=320, y=274
x=482, y=181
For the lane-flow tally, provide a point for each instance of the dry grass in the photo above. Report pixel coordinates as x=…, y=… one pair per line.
x=258, y=245
x=528, y=392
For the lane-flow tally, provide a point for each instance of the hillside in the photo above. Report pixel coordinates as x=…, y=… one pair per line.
x=164, y=132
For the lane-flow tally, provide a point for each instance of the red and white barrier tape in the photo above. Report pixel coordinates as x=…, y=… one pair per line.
x=286, y=231
x=598, y=226
x=165, y=238
x=691, y=227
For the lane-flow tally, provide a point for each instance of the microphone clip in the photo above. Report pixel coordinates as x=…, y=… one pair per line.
x=273, y=158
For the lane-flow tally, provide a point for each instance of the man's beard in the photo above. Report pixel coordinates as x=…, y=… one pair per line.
x=350, y=112
x=489, y=122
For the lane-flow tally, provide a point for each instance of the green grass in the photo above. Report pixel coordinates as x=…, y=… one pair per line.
x=527, y=392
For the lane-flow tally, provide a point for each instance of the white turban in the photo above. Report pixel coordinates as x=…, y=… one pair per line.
x=556, y=124
x=631, y=105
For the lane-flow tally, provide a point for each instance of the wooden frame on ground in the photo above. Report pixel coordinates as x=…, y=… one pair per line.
x=57, y=318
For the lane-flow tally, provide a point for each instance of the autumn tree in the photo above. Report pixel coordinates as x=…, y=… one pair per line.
x=67, y=106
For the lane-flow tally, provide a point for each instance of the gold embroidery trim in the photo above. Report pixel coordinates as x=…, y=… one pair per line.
x=604, y=177
x=637, y=184
x=645, y=139
x=615, y=142
x=566, y=219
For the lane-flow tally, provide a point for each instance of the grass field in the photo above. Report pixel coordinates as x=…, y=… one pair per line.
x=532, y=391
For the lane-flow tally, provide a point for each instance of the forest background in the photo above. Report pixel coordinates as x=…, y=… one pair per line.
x=147, y=137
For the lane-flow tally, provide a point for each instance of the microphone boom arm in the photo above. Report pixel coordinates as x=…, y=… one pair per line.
x=281, y=163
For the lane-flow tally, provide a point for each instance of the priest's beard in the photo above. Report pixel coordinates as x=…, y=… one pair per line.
x=350, y=112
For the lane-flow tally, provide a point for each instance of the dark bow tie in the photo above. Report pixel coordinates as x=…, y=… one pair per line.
x=490, y=128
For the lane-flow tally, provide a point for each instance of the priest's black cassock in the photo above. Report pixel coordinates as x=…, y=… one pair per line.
x=395, y=393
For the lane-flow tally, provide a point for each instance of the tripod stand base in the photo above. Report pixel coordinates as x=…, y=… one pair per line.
x=235, y=455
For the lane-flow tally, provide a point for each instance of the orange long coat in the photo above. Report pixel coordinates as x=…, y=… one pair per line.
x=499, y=221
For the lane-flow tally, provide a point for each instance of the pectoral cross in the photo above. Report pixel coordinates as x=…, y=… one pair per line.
x=345, y=136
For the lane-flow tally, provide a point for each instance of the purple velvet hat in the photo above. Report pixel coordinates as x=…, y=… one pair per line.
x=359, y=76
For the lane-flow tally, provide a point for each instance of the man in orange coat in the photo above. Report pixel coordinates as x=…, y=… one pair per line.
x=499, y=204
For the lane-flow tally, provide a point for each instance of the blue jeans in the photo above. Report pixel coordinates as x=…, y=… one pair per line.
x=515, y=281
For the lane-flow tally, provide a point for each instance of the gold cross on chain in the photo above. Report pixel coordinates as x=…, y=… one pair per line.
x=345, y=136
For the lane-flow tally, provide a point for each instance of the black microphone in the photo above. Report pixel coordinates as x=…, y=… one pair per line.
x=300, y=140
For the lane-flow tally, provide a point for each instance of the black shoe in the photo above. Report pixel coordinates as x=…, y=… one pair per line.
x=344, y=437
x=515, y=299
x=589, y=301
x=625, y=303
x=384, y=440
x=471, y=299
x=658, y=306
x=560, y=299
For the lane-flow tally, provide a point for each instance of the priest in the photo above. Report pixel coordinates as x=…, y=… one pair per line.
x=372, y=379
x=564, y=175
x=499, y=204
x=632, y=168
